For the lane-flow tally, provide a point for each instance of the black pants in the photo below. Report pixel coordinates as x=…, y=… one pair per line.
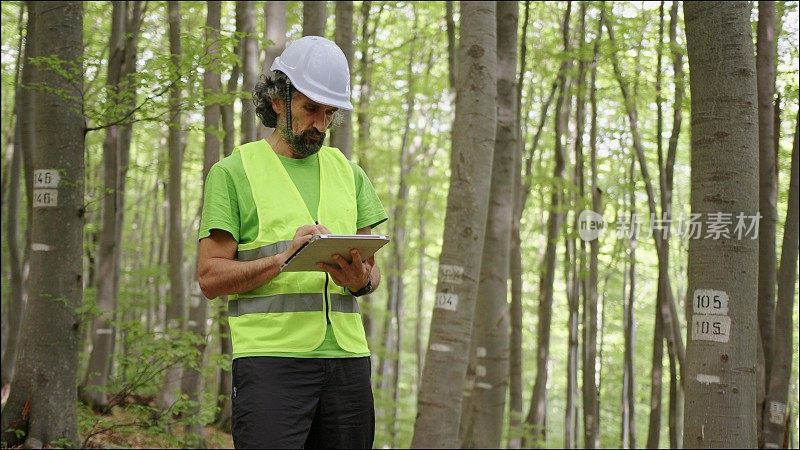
x=302, y=403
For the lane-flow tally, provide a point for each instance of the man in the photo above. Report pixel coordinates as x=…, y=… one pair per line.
x=301, y=369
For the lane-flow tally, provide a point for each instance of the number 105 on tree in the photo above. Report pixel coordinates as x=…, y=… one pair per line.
x=711, y=328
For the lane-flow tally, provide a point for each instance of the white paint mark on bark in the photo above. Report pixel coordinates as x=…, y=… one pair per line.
x=481, y=352
x=707, y=379
x=37, y=247
x=480, y=371
x=104, y=331
x=451, y=274
x=441, y=347
x=483, y=385
x=777, y=412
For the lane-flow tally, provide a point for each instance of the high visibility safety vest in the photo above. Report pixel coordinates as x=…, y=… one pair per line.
x=290, y=313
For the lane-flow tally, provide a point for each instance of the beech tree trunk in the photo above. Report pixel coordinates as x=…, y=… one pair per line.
x=776, y=413
x=15, y=302
x=389, y=370
x=176, y=308
x=482, y=414
x=342, y=135
x=439, y=401
x=515, y=401
x=250, y=68
x=275, y=21
x=315, y=14
x=124, y=36
x=767, y=195
x=721, y=356
x=537, y=415
x=42, y=402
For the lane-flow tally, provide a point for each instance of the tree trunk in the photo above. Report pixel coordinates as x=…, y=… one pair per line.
x=315, y=14
x=192, y=383
x=342, y=135
x=388, y=372
x=439, y=401
x=576, y=277
x=666, y=320
x=275, y=21
x=767, y=195
x=591, y=390
x=452, y=73
x=776, y=414
x=628, y=383
x=246, y=10
x=42, y=402
x=482, y=417
x=93, y=391
x=515, y=266
x=537, y=415
x=15, y=303
x=227, y=110
x=176, y=309
x=363, y=139
x=721, y=357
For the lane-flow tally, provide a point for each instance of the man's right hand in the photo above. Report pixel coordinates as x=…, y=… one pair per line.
x=301, y=236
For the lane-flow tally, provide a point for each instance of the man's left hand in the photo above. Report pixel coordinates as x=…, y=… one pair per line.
x=354, y=275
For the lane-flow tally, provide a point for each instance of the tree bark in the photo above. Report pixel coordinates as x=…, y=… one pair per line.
x=537, y=415
x=392, y=327
x=275, y=21
x=192, y=383
x=250, y=68
x=115, y=158
x=15, y=303
x=452, y=73
x=439, y=402
x=720, y=372
x=767, y=195
x=776, y=414
x=482, y=416
x=342, y=135
x=176, y=309
x=515, y=266
x=315, y=14
x=43, y=399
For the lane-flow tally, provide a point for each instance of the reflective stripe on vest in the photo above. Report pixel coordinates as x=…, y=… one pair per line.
x=291, y=303
x=291, y=312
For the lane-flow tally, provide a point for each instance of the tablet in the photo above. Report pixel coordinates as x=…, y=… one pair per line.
x=321, y=246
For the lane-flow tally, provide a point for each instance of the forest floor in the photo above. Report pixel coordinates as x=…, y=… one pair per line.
x=125, y=428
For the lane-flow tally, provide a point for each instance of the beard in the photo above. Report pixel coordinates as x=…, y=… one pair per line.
x=304, y=144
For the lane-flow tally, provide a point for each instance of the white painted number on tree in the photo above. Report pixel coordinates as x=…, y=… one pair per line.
x=447, y=301
x=711, y=328
x=46, y=178
x=45, y=197
x=709, y=301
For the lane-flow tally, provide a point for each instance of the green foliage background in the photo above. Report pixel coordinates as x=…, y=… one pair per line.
x=144, y=279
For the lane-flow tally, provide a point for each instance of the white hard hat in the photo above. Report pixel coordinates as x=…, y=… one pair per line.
x=318, y=68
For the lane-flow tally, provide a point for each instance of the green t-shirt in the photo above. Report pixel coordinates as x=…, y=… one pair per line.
x=228, y=205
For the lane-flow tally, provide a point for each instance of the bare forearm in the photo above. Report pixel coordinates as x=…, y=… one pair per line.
x=221, y=276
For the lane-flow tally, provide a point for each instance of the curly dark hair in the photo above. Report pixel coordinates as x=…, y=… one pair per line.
x=269, y=87
x=274, y=86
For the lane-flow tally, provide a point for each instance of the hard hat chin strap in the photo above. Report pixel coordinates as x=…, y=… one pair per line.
x=289, y=105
